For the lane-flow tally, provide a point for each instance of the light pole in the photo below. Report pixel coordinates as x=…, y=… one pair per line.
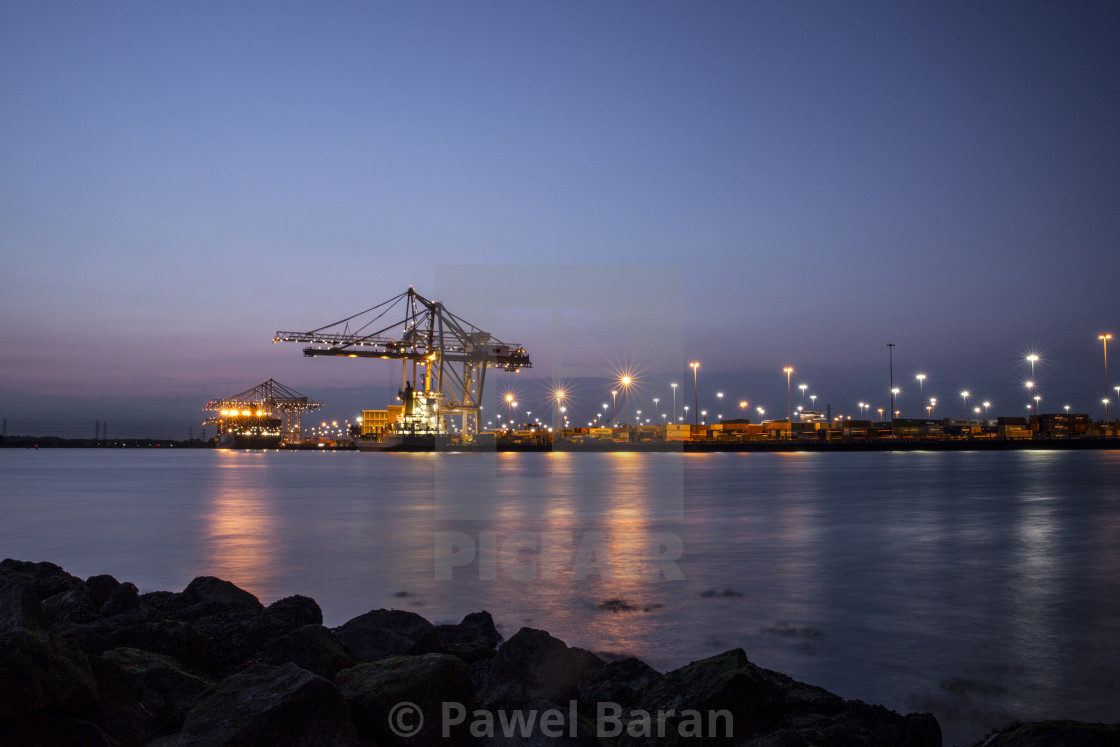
x=605, y=408
x=674, y=385
x=559, y=402
x=921, y=388
x=655, y=401
x=789, y=401
x=743, y=409
x=1104, y=339
x=988, y=404
x=625, y=381
x=803, y=387
x=761, y=412
x=614, y=407
x=685, y=413
x=509, y=406
x=880, y=414
x=813, y=398
x=894, y=413
x=1030, y=388
x=719, y=396
x=890, y=350
x=964, y=396
x=1037, y=399
x=695, y=395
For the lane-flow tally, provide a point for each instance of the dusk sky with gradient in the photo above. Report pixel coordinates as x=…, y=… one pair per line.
x=178, y=181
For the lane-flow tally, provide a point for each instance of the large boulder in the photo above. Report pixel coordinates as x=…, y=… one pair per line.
x=617, y=682
x=47, y=579
x=382, y=633
x=20, y=608
x=313, y=647
x=143, y=695
x=375, y=689
x=1054, y=734
x=42, y=674
x=763, y=708
x=533, y=666
x=262, y=705
x=473, y=639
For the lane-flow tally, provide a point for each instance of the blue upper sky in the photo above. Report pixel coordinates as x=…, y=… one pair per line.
x=180, y=180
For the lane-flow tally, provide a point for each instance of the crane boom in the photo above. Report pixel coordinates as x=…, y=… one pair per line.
x=454, y=352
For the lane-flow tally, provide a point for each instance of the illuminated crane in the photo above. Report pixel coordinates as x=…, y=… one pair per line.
x=269, y=409
x=454, y=353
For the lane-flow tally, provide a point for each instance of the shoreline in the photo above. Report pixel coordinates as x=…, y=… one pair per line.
x=95, y=662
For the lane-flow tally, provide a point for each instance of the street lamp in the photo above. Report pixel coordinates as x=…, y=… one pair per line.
x=986, y=406
x=509, y=406
x=625, y=381
x=1037, y=399
x=743, y=409
x=605, y=408
x=802, y=387
x=813, y=398
x=895, y=413
x=964, y=396
x=789, y=401
x=761, y=412
x=695, y=395
x=614, y=407
x=674, y=385
x=921, y=387
x=1104, y=340
x=655, y=401
x=1030, y=388
x=559, y=393
x=719, y=396
x=880, y=414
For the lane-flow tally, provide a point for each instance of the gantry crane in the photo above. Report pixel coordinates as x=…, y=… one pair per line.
x=454, y=353
x=251, y=410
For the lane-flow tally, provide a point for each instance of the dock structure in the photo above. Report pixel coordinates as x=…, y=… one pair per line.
x=453, y=353
x=268, y=412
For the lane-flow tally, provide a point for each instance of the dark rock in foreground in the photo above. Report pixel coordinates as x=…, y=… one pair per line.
x=95, y=662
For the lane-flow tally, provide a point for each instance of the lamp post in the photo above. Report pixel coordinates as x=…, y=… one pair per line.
x=789, y=402
x=895, y=413
x=1104, y=340
x=1030, y=388
x=803, y=387
x=890, y=350
x=719, y=396
x=921, y=388
x=559, y=407
x=1037, y=399
x=988, y=404
x=743, y=409
x=655, y=401
x=880, y=414
x=605, y=408
x=509, y=406
x=695, y=395
x=674, y=385
x=625, y=381
x=964, y=396
x=813, y=397
x=761, y=412
x=614, y=407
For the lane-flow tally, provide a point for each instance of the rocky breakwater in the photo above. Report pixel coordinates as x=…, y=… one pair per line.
x=94, y=662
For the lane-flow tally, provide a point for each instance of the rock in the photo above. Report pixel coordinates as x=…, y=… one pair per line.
x=381, y=633
x=48, y=579
x=311, y=647
x=533, y=666
x=428, y=681
x=472, y=639
x=265, y=705
x=617, y=682
x=73, y=606
x=208, y=594
x=123, y=600
x=143, y=695
x=179, y=640
x=55, y=731
x=768, y=708
x=101, y=588
x=42, y=674
x=1054, y=734
x=20, y=608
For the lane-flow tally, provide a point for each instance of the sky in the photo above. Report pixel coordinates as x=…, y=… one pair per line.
x=757, y=184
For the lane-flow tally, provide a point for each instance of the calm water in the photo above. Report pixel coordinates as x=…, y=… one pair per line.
x=983, y=587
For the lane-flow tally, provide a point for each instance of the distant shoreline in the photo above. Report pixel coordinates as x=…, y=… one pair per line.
x=688, y=447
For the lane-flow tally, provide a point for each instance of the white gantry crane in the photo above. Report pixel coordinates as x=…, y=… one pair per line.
x=453, y=353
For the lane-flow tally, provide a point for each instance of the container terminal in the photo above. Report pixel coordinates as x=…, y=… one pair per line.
x=444, y=362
